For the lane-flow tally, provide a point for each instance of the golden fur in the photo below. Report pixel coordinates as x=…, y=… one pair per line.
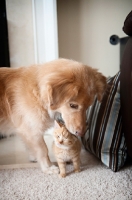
x=66, y=147
x=31, y=96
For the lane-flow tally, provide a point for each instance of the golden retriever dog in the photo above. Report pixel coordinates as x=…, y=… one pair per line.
x=31, y=96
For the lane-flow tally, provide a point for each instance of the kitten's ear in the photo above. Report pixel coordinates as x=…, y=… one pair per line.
x=58, y=124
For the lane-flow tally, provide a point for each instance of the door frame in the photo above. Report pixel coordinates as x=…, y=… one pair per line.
x=45, y=30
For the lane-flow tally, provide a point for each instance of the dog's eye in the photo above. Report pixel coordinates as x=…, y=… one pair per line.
x=75, y=106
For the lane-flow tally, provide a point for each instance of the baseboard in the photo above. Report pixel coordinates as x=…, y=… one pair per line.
x=19, y=166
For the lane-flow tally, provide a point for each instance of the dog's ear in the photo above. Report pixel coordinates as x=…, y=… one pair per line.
x=100, y=85
x=50, y=95
x=60, y=95
x=60, y=92
x=96, y=82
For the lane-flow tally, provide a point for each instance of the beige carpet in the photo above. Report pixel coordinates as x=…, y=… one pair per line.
x=94, y=182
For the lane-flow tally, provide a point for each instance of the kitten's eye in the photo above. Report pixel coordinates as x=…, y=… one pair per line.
x=74, y=106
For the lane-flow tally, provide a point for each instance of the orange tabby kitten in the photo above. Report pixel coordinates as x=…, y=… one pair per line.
x=66, y=147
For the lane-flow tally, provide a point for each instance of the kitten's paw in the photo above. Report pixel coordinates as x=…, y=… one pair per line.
x=62, y=175
x=77, y=170
x=51, y=170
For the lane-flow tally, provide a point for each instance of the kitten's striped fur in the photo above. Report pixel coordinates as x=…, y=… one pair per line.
x=66, y=148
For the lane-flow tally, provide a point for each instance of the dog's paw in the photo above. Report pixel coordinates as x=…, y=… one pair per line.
x=51, y=170
x=32, y=158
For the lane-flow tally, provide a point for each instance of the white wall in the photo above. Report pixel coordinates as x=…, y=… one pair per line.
x=84, y=29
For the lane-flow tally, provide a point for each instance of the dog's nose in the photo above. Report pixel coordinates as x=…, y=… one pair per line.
x=79, y=132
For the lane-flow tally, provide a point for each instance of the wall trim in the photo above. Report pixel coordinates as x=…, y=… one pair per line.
x=45, y=30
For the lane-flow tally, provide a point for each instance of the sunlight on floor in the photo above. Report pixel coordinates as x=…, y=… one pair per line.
x=13, y=152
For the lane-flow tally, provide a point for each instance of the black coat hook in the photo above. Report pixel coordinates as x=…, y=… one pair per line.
x=114, y=39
